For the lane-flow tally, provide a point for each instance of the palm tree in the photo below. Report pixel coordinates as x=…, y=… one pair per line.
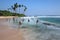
x=14, y=7
x=22, y=6
x=25, y=8
x=19, y=7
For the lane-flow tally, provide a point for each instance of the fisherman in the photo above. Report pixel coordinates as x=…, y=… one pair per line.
x=19, y=24
x=28, y=20
x=13, y=19
x=37, y=21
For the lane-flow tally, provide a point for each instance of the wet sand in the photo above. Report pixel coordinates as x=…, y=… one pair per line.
x=7, y=33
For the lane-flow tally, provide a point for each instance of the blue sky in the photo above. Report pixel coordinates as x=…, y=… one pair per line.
x=35, y=7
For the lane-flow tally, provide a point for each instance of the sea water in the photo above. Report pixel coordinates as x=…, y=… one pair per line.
x=38, y=31
x=54, y=20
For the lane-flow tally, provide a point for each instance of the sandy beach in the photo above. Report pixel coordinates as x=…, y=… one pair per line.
x=7, y=33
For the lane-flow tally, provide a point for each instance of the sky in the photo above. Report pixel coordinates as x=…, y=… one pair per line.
x=35, y=7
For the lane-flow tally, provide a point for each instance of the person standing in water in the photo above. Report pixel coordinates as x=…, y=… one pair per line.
x=28, y=20
x=22, y=19
x=13, y=20
x=19, y=24
x=37, y=21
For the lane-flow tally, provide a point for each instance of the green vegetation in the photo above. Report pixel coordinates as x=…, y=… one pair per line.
x=14, y=8
x=8, y=13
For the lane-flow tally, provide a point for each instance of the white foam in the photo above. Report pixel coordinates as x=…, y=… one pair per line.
x=48, y=16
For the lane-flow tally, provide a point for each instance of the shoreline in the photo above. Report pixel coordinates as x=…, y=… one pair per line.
x=8, y=16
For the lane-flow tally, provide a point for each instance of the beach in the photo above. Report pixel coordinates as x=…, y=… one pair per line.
x=8, y=33
x=44, y=30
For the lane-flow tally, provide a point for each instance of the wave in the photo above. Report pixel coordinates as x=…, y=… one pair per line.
x=41, y=24
x=32, y=23
x=50, y=25
x=48, y=16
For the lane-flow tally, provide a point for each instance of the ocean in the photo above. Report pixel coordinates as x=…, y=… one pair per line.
x=45, y=29
x=54, y=20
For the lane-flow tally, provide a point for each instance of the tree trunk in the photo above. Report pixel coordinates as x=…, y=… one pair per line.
x=19, y=10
